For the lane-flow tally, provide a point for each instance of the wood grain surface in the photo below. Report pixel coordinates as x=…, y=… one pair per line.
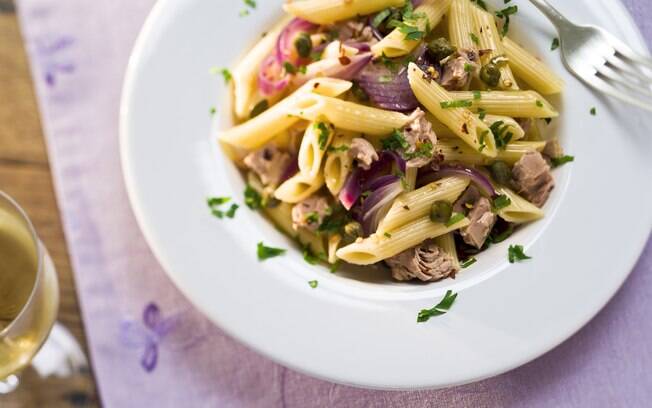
x=25, y=175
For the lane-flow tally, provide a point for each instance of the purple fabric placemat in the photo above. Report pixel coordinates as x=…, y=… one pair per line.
x=150, y=348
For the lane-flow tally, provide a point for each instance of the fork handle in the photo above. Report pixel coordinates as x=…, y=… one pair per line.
x=555, y=17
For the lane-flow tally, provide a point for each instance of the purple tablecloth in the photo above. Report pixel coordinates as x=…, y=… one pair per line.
x=150, y=348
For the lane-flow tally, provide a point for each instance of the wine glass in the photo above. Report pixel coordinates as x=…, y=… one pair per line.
x=29, y=300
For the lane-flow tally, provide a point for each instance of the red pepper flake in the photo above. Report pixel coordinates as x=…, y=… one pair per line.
x=465, y=128
x=316, y=85
x=344, y=60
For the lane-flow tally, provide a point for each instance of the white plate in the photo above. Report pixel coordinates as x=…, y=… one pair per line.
x=362, y=330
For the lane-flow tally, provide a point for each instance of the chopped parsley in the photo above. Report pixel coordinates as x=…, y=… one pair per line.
x=251, y=4
x=460, y=103
x=423, y=150
x=313, y=283
x=477, y=95
x=411, y=32
x=395, y=141
x=381, y=17
x=455, y=218
x=555, y=44
x=303, y=45
x=214, y=203
x=505, y=14
x=470, y=261
x=480, y=4
x=468, y=67
x=334, y=267
x=312, y=217
x=593, y=111
x=441, y=308
x=252, y=198
x=515, y=254
x=539, y=103
x=500, y=202
x=501, y=134
x=474, y=38
x=387, y=235
x=338, y=149
x=265, y=252
x=226, y=74
x=310, y=257
x=260, y=107
x=212, y=110
x=482, y=113
x=481, y=140
x=324, y=133
x=559, y=161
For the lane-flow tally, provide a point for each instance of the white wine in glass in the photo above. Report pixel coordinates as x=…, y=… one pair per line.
x=29, y=292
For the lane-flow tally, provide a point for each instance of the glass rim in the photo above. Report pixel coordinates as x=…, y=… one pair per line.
x=39, y=266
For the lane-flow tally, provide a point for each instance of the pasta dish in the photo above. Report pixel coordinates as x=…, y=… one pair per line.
x=385, y=132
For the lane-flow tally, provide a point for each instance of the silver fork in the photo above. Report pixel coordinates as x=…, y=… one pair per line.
x=601, y=60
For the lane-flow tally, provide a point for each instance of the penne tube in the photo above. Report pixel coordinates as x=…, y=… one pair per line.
x=516, y=104
x=256, y=132
x=338, y=164
x=315, y=141
x=298, y=188
x=461, y=121
x=331, y=11
x=531, y=70
x=416, y=204
x=245, y=74
x=447, y=243
x=380, y=247
x=520, y=210
x=489, y=39
x=461, y=25
x=396, y=45
x=454, y=151
x=348, y=115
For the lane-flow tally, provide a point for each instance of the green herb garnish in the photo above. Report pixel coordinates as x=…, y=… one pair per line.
x=474, y=38
x=387, y=235
x=324, y=133
x=455, y=218
x=500, y=131
x=259, y=108
x=515, y=254
x=468, y=262
x=313, y=284
x=558, y=161
x=505, y=14
x=214, y=203
x=265, y=252
x=460, y=103
x=500, y=202
x=212, y=110
x=252, y=198
x=593, y=111
x=482, y=113
x=480, y=4
x=423, y=150
x=338, y=149
x=477, y=95
x=441, y=308
x=226, y=74
x=303, y=45
x=555, y=44
x=481, y=140
x=539, y=103
x=230, y=213
x=380, y=17
x=395, y=141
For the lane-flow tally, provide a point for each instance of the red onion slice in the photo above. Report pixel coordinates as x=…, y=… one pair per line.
x=269, y=77
x=378, y=203
x=337, y=70
x=285, y=41
x=351, y=190
x=479, y=179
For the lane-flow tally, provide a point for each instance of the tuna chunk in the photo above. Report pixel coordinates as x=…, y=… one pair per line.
x=532, y=178
x=426, y=262
x=459, y=68
x=467, y=200
x=363, y=152
x=418, y=133
x=269, y=163
x=310, y=213
x=482, y=221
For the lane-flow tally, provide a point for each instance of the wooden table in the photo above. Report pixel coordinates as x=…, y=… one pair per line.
x=25, y=175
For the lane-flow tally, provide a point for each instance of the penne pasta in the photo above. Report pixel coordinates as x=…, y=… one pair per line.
x=338, y=164
x=447, y=243
x=330, y=11
x=454, y=151
x=531, y=70
x=380, y=247
x=517, y=104
x=258, y=131
x=461, y=121
x=416, y=204
x=348, y=115
x=489, y=39
x=395, y=44
x=461, y=25
x=245, y=74
x=298, y=188
x=315, y=141
x=520, y=210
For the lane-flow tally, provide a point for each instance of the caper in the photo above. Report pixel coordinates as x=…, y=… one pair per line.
x=441, y=211
x=303, y=45
x=501, y=172
x=353, y=229
x=440, y=48
x=490, y=75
